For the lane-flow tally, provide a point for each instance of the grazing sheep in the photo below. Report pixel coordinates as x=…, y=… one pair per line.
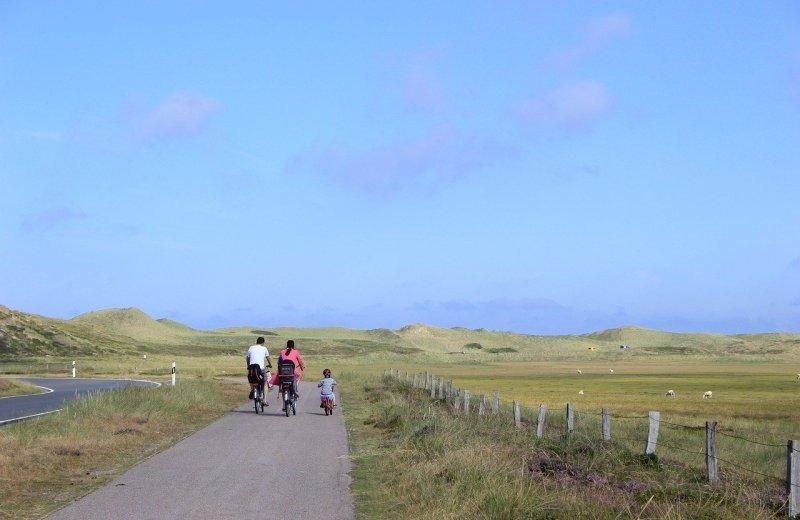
x=580, y=392
x=610, y=370
x=670, y=393
x=579, y=372
x=798, y=377
x=708, y=394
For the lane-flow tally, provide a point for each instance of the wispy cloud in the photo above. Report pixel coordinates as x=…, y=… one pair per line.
x=183, y=113
x=439, y=156
x=421, y=85
x=51, y=218
x=572, y=106
x=597, y=34
x=423, y=90
x=44, y=135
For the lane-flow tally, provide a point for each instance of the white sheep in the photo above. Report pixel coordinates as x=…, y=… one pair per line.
x=610, y=370
x=708, y=394
x=580, y=392
x=798, y=377
x=670, y=393
x=579, y=372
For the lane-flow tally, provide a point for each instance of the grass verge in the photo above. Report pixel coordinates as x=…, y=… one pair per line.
x=415, y=458
x=10, y=386
x=48, y=462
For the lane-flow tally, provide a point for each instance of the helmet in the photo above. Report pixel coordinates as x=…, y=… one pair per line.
x=326, y=372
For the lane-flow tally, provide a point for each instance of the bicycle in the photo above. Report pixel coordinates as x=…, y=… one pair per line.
x=256, y=379
x=258, y=398
x=327, y=404
x=287, y=386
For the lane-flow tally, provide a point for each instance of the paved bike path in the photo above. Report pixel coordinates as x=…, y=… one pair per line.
x=242, y=466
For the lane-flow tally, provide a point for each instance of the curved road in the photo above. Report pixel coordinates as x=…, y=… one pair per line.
x=240, y=467
x=57, y=391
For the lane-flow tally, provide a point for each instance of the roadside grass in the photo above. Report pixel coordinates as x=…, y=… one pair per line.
x=414, y=458
x=10, y=386
x=48, y=462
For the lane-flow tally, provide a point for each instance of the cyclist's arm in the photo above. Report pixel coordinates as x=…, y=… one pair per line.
x=269, y=362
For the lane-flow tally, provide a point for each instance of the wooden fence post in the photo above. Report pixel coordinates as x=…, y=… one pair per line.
x=441, y=388
x=540, y=422
x=517, y=415
x=457, y=402
x=570, y=419
x=711, y=451
x=467, y=395
x=652, y=434
x=793, y=477
x=606, y=424
x=482, y=405
x=433, y=387
x=496, y=403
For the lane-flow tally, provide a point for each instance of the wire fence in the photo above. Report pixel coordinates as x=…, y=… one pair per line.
x=732, y=452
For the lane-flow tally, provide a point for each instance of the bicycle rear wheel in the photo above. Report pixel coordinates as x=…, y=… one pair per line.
x=257, y=401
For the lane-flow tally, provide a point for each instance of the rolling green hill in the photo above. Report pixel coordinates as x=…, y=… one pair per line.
x=128, y=331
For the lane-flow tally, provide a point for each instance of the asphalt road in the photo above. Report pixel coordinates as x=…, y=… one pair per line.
x=57, y=391
x=242, y=466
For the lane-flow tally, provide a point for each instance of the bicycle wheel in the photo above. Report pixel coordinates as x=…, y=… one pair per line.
x=286, y=405
x=294, y=410
x=255, y=400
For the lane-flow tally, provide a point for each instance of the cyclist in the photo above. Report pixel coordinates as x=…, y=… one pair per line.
x=258, y=358
x=327, y=384
x=291, y=354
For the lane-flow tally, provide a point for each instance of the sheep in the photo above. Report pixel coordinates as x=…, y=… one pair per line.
x=670, y=393
x=798, y=377
x=580, y=392
x=708, y=394
x=579, y=372
x=610, y=370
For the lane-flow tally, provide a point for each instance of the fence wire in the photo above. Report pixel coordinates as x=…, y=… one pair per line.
x=556, y=421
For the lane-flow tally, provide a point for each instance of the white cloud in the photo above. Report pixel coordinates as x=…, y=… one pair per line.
x=572, y=106
x=182, y=113
x=596, y=35
x=439, y=156
x=423, y=90
x=51, y=218
x=421, y=87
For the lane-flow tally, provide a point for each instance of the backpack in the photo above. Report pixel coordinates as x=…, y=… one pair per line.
x=254, y=375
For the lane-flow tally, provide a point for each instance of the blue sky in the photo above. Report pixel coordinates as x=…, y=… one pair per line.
x=539, y=167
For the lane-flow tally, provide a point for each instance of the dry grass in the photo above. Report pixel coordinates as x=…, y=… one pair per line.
x=10, y=386
x=48, y=462
x=456, y=466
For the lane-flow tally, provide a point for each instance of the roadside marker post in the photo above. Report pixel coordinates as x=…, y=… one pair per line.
x=73, y=369
x=173, y=373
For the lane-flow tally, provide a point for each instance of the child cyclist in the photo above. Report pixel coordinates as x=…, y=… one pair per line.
x=326, y=386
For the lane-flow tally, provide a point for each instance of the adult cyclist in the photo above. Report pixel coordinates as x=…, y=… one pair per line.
x=258, y=358
x=290, y=353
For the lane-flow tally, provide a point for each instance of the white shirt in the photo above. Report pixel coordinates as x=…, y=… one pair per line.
x=257, y=354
